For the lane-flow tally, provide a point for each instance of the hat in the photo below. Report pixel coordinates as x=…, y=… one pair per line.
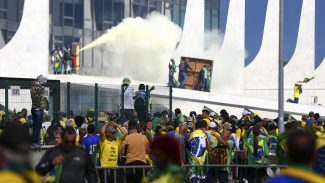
x=102, y=116
x=109, y=128
x=190, y=125
x=69, y=123
x=192, y=113
x=212, y=124
x=246, y=112
x=41, y=80
x=178, y=111
x=126, y=81
x=227, y=125
x=84, y=126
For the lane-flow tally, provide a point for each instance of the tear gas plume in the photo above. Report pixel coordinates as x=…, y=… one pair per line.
x=227, y=63
x=139, y=48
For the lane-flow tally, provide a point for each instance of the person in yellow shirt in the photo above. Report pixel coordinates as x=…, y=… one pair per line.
x=109, y=147
x=297, y=90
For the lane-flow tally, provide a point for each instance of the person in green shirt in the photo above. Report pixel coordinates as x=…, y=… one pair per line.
x=157, y=120
x=172, y=70
x=282, y=146
x=258, y=150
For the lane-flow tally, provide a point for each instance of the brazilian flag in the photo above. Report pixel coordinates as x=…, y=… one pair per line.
x=198, y=155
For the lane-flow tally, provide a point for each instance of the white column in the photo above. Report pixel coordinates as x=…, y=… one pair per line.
x=231, y=56
x=302, y=62
x=261, y=74
x=27, y=54
x=192, y=41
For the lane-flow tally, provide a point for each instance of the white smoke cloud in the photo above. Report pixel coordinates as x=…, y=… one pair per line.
x=138, y=48
x=227, y=63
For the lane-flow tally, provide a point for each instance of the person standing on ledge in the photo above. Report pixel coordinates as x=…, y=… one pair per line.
x=183, y=68
x=39, y=104
x=172, y=71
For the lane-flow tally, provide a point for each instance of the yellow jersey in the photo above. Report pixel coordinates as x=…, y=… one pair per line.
x=296, y=92
x=9, y=176
x=109, y=152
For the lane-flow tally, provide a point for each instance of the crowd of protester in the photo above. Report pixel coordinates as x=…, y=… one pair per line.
x=63, y=61
x=179, y=148
x=202, y=81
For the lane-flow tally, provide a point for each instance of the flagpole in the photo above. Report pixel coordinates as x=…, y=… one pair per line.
x=281, y=72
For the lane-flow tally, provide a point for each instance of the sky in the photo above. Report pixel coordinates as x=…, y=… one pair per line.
x=255, y=20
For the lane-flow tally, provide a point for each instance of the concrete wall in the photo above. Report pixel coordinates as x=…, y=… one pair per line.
x=26, y=55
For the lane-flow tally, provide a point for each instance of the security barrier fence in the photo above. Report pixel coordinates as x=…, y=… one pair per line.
x=237, y=173
x=80, y=98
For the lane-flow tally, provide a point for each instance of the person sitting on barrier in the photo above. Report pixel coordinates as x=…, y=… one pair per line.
x=258, y=151
x=301, y=149
x=165, y=153
x=70, y=162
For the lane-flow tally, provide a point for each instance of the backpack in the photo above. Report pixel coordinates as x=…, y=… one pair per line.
x=218, y=155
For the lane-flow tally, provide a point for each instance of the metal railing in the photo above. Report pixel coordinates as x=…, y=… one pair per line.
x=78, y=98
x=124, y=174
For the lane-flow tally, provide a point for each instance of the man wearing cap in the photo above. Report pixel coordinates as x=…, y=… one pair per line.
x=39, y=104
x=129, y=94
x=212, y=129
x=109, y=144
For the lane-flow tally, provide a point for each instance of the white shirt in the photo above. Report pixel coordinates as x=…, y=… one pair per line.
x=128, y=98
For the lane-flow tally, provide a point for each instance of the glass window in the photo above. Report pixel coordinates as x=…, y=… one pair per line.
x=3, y=14
x=182, y=15
x=108, y=6
x=175, y=14
x=107, y=25
x=118, y=13
x=136, y=10
x=3, y=4
x=4, y=35
x=68, y=22
x=76, y=39
x=57, y=11
x=68, y=9
x=68, y=41
x=99, y=14
x=58, y=38
x=214, y=20
x=207, y=20
x=78, y=15
x=10, y=35
x=143, y=11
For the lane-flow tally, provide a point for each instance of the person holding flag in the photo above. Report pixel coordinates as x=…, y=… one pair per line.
x=198, y=154
x=297, y=90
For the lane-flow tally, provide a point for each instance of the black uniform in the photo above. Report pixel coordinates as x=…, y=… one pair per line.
x=76, y=167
